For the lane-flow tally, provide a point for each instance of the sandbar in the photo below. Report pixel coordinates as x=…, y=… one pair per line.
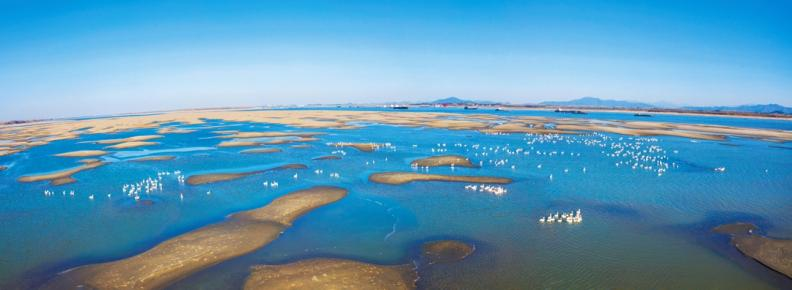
x=132, y=144
x=174, y=130
x=236, y=135
x=300, y=146
x=407, y=177
x=60, y=177
x=365, y=147
x=3, y=167
x=129, y=139
x=444, y=160
x=82, y=153
x=219, y=177
x=191, y=252
x=328, y=157
x=331, y=274
x=446, y=251
x=261, y=151
x=775, y=254
x=238, y=144
x=154, y=158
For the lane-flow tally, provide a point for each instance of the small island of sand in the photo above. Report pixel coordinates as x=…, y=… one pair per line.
x=132, y=144
x=443, y=160
x=238, y=144
x=331, y=274
x=82, y=153
x=191, y=252
x=446, y=251
x=154, y=158
x=219, y=177
x=406, y=177
x=328, y=157
x=776, y=254
x=61, y=177
x=261, y=151
x=365, y=147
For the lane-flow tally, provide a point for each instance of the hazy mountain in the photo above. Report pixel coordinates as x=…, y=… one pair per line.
x=455, y=100
x=597, y=102
x=759, y=109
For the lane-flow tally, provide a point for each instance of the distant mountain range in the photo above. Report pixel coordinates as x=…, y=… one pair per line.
x=597, y=102
x=455, y=100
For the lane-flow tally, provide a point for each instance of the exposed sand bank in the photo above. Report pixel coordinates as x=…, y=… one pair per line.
x=238, y=144
x=154, y=158
x=328, y=157
x=331, y=274
x=174, y=130
x=60, y=177
x=191, y=252
x=132, y=144
x=406, y=177
x=365, y=147
x=444, y=160
x=219, y=177
x=300, y=146
x=776, y=254
x=241, y=135
x=261, y=151
x=82, y=153
x=129, y=139
x=446, y=251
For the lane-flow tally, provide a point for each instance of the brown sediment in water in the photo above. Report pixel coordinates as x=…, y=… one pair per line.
x=443, y=160
x=407, y=177
x=89, y=160
x=3, y=167
x=133, y=144
x=328, y=157
x=219, y=177
x=238, y=144
x=300, y=146
x=775, y=254
x=154, y=158
x=129, y=139
x=191, y=252
x=261, y=151
x=331, y=274
x=174, y=130
x=82, y=153
x=365, y=147
x=240, y=135
x=60, y=177
x=446, y=251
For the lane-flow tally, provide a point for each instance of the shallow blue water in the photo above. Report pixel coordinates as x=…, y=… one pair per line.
x=640, y=230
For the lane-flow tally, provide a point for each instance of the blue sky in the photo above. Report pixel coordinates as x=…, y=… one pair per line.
x=71, y=58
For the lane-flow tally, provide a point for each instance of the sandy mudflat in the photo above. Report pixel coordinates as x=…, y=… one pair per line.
x=328, y=157
x=82, y=153
x=776, y=254
x=406, y=177
x=261, y=151
x=132, y=144
x=331, y=274
x=239, y=135
x=129, y=139
x=446, y=251
x=60, y=177
x=300, y=146
x=444, y=160
x=174, y=130
x=365, y=147
x=188, y=253
x=219, y=177
x=154, y=158
x=238, y=144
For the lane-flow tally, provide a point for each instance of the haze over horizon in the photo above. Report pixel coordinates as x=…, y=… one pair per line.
x=77, y=58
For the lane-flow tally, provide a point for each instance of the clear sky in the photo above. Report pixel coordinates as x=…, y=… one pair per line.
x=72, y=58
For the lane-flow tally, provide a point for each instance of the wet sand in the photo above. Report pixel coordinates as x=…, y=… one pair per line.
x=365, y=147
x=238, y=144
x=407, y=177
x=444, y=160
x=82, y=153
x=129, y=139
x=240, y=135
x=174, y=130
x=328, y=157
x=261, y=151
x=219, y=177
x=331, y=274
x=775, y=254
x=446, y=251
x=300, y=146
x=60, y=177
x=133, y=144
x=154, y=158
x=191, y=252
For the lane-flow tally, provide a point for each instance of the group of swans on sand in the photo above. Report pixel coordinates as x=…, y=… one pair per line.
x=493, y=189
x=570, y=218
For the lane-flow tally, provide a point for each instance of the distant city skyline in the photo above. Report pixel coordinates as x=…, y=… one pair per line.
x=79, y=58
